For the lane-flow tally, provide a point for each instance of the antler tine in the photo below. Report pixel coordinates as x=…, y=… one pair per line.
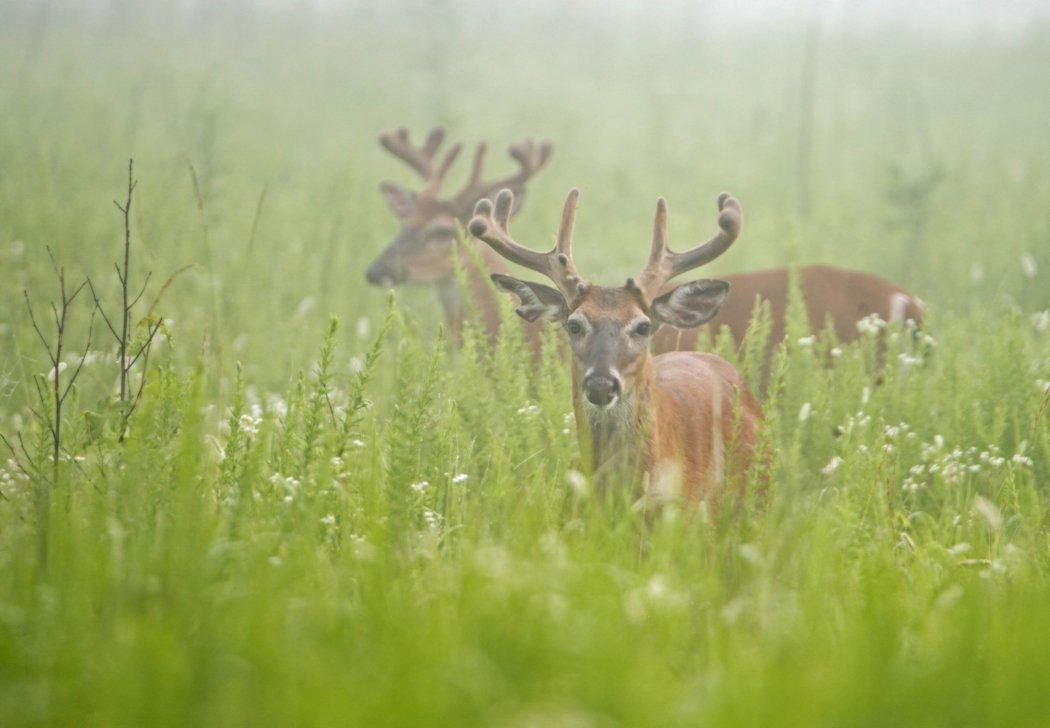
x=437, y=177
x=664, y=264
x=490, y=225
x=420, y=159
x=530, y=156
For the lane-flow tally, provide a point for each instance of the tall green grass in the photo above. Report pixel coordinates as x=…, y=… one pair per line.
x=323, y=513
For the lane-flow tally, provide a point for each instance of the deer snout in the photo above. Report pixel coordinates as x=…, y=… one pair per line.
x=380, y=274
x=601, y=389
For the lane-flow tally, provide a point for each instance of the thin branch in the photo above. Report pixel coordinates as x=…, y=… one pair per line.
x=138, y=394
x=145, y=346
x=42, y=396
x=25, y=451
x=36, y=328
x=98, y=306
x=69, y=301
x=145, y=283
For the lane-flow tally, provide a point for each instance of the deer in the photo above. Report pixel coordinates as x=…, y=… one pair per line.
x=424, y=250
x=683, y=423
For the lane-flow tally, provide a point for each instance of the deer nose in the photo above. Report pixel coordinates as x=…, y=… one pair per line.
x=380, y=275
x=601, y=389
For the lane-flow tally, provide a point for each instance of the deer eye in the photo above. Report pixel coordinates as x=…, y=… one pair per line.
x=574, y=327
x=441, y=231
x=642, y=328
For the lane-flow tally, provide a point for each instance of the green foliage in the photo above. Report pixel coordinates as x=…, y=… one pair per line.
x=321, y=524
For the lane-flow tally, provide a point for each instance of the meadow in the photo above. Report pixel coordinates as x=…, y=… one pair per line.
x=323, y=513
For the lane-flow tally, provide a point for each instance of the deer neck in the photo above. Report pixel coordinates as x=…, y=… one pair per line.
x=455, y=303
x=616, y=439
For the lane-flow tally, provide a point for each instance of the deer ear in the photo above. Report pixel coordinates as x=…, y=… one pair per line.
x=691, y=304
x=538, y=302
x=401, y=201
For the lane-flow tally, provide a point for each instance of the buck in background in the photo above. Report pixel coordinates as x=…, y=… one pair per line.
x=424, y=249
x=685, y=421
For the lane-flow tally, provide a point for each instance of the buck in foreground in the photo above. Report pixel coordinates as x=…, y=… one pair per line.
x=684, y=421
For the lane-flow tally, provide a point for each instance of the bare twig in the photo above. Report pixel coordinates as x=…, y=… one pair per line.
x=122, y=334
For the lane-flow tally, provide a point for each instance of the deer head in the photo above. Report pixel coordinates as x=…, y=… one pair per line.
x=609, y=328
x=421, y=252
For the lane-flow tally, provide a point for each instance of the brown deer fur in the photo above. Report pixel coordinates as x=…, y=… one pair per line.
x=686, y=422
x=843, y=296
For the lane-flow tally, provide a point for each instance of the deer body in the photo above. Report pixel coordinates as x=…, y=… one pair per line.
x=685, y=422
x=843, y=296
x=691, y=425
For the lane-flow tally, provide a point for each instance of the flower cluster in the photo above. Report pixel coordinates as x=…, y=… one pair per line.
x=289, y=485
x=529, y=410
x=251, y=421
x=953, y=465
x=871, y=325
x=11, y=475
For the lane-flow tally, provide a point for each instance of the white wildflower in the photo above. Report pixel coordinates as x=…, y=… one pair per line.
x=832, y=465
x=988, y=511
x=359, y=444
x=529, y=409
x=56, y=370
x=1022, y=460
x=432, y=518
x=305, y=306
x=420, y=486
x=960, y=548
x=836, y=352
x=357, y=364
x=249, y=424
x=1028, y=265
x=276, y=405
x=460, y=478
x=871, y=324
x=364, y=327
x=908, y=360
x=807, y=341
x=328, y=520
x=750, y=553
x=577, y=481
x=805, y=412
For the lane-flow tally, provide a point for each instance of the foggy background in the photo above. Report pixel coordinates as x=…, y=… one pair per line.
x=904, y=139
